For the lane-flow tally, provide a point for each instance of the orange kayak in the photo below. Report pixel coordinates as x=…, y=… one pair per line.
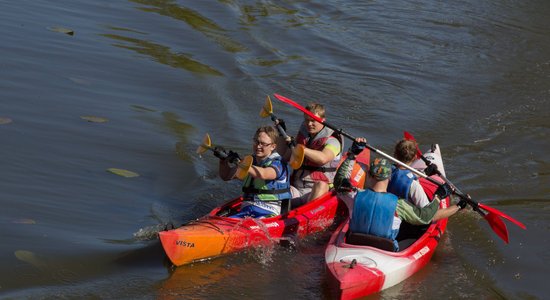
x=215, y=235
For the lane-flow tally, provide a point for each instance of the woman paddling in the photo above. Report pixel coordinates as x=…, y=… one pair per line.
x=266, y=186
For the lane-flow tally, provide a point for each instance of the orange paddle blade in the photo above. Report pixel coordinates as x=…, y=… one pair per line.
x=206, y=144
x=297, y=157
x=243, y=167
x=267, y=109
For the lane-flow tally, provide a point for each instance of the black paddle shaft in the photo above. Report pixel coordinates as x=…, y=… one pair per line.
x=456, y=191
x=280, y=128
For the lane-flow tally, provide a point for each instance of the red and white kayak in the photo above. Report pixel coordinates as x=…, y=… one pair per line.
x=356, y=270
x=216, y=234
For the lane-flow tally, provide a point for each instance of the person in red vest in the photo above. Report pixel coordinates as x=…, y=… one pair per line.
x=323, y=151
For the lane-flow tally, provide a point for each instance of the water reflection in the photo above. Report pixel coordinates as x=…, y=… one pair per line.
x=195, y=279
x=171, y=121
x=228, y=275
x=194, y=19
x=180, y=129
x=294, y=15
x=163, y=55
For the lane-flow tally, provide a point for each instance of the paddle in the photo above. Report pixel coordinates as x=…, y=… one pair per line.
x=409, y=137
x=242, y=165
x=340, y=131
x=297, y=157
x=492, y=215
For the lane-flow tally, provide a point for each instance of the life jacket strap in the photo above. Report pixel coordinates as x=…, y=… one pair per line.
x=251, y=190
x=321, y=169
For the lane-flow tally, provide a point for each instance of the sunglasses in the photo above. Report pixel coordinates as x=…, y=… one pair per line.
x=257, y=142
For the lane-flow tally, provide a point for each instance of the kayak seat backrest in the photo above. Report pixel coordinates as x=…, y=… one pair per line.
x=363, y=239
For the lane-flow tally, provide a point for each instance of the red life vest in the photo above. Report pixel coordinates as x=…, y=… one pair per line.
x=430, y=187
x=310, y=171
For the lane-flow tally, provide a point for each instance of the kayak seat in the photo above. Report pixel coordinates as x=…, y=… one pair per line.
x=363, y=239
x=409, y=231
x=404, y=244
x=408, y=234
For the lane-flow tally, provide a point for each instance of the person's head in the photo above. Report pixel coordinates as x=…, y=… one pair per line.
x=380, y=169
x=405, y=151
x=312, y=125
x=264, y=141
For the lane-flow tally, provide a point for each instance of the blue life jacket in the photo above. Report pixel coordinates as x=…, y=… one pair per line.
x=268, y=190
x=400, y=182
x=373, y=214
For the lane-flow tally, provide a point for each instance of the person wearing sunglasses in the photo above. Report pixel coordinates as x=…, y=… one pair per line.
x=267, y=186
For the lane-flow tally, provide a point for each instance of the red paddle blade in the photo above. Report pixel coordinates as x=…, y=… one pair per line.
x=497, y=225
x=499, y=213
x=298, y=106
x=410, y=137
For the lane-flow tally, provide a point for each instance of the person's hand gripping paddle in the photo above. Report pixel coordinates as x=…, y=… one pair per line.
x=297, y=157
x=243, y=165
x=492, y=215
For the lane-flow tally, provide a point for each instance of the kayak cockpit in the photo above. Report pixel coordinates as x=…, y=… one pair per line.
x=408, y=235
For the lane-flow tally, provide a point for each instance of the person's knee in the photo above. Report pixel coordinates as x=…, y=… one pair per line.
x=321, y=186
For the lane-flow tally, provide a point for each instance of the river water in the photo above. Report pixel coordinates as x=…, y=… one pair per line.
x=90, y=85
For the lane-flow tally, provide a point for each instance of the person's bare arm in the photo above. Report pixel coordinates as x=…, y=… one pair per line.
x=446, y=212
x=267, y=173
x=319, y=157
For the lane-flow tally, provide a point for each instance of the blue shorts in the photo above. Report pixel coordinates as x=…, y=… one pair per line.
x=253, y=211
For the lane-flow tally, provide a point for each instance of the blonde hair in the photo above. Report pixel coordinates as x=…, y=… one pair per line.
x=317, y=109
x=270, y=131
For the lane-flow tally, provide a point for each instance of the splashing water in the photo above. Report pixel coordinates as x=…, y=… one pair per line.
x=150, y=232
x=262, y=244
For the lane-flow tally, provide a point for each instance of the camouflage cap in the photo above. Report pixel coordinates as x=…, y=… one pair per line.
x=380, y=168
